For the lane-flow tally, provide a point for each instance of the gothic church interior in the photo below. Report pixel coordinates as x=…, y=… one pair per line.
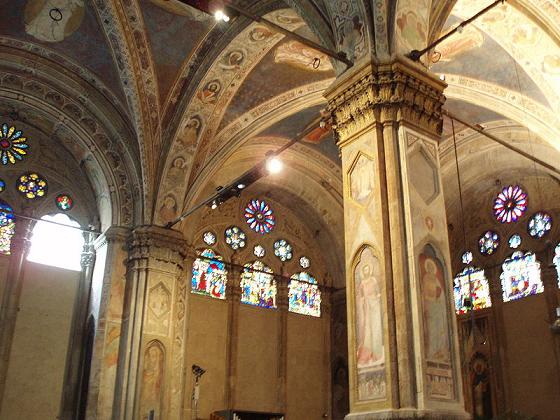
x=279, y=209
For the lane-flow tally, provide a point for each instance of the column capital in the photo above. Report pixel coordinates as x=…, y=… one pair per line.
x=399, y=91
x=157, y=242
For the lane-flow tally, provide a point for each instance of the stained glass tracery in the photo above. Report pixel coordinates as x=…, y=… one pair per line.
x=7, y=227
x=510, y=204
x=521, y=276
x=32, y=185
x=13, y=146
x=283, y=250
x=259, y=251
x=259, y=216
x=304, y=262
x=304, y=296
x=467, y=257
x=2, y=185
x=258, y=286
x=471, y=290
x=488, y=242
x=64, y=202
x=540, y=224
x=235, y=237
x=209, y=238
x=514, y=241
x=557, y=261
x=209, y=275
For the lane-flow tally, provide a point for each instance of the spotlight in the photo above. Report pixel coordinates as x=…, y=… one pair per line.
x=240, y=186
x=214, y=205
x=442, y=77
x=198, y=371
x=220, y=15
x=274, y=165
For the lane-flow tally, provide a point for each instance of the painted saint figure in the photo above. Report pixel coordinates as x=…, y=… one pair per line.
x=369, y=313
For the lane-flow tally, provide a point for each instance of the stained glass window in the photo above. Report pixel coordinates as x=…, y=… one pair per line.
x=259, y=216
x=304, y=296
x=13, y=146
x=7, y=227
x=488, y=242
x=258, y=286
x=259, y=251
x=209, y=275
x=64, y=202
x=235, y=237
x=467, y=257
x=32, y=186
x=510, y=204
x=478, y=290
x=209, y=238
x=521, y=276
x=304, y=262
x=557, y=261
x=2, y=185
x=540, y=224
x=283, y=250
x=514, y=241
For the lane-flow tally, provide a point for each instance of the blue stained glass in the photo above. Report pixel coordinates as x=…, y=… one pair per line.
x=259, y=216
x=557, y=261
x=209, y=275
x=304, y=296
x=488, y=242
x=514, y=241
x=540, y=224
x=258, y=286
x=12, y=145
x=7, y=227
x=478, y=290
x=521, y=276
x=283, y=250
x=235, y=237
x=2, y=185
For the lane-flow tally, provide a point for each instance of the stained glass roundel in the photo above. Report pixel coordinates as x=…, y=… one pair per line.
x=209, y=238
x=259, y=216
x=64, y=202
x=6, y=214
x=467, y=257
x=510, y=204
x=235, y=237
x=13, y=146
x=283, y=250
x=488, y=242
x=540, y=224
x=259, y=251
x=32, y=185
x=514, y=241
x=2, y=185
x=304, y=262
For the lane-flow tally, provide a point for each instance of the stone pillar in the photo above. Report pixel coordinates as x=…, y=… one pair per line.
x=282, y=304
x=150, y=373
x=233, y=296
x=75, y=356
x=402, y=333
x=10, y=303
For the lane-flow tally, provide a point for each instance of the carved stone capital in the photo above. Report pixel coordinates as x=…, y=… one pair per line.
x=398, y=92
x=154, y=242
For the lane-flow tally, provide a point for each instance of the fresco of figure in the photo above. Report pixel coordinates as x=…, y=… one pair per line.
x=53, y=20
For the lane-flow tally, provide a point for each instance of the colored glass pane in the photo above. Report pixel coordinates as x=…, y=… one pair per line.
x=7, y=227
x=540, y=224
x=467, y=257
x=510, y=204
x=488, y=242
x=304, y=296
x=13, y=146
x=209, y=238
x=2, y=185
x=557, y=261
x=64, y=202
x=514, y=241
x=209, y=275
x=259, y=216
x=32, y=186
x=471, y=282
x=258, y=286
x=235, y=237
x=259, y=251
x=304, y=262
x=283, y=250
x=521, y=276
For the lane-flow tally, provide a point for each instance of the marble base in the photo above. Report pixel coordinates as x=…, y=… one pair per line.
x=409, y=413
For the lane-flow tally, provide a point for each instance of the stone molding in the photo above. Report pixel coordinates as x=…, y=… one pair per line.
x=383, y=93
x=409, y=413
x=162, y=244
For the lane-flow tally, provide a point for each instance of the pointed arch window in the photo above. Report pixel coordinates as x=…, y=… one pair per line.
x=471, y=290
x=304, y=296
x=7, y=227
x=521, y=276
x=209, y=275
x=258, y=286
x=557, y=261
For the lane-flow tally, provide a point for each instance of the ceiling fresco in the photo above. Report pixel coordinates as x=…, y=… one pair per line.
x=72, y=31
x=174, y=31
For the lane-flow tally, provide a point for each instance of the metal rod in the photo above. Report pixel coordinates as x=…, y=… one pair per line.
x=259, y=165
x=415, y=55
x=339, y=56
x=21, y=216
x=500, y=141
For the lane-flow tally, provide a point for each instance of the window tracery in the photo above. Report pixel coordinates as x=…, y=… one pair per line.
x=471, y=290
x=304, y=296
x=521, y=276
x=258, y=286
x=7, y=227
x=209, y=275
